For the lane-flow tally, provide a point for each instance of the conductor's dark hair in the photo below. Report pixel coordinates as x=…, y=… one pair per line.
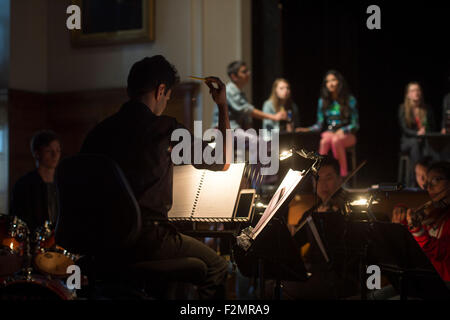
x=331, y=162
x=442, y=167
x=233, y=67
x=42, y=139
x=147, y=74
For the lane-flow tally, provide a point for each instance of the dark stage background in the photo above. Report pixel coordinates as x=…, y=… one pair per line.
x=301, y=40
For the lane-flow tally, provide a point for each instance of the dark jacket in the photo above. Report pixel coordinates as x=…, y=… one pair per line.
x=412, y=131
x=140, y=143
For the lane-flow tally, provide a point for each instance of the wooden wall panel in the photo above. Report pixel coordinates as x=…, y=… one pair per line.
x=72, y=115
x=26, y=115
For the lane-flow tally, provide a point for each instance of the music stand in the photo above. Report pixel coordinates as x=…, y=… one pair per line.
x=271, y=253
x=275, y=256
x=387, y=245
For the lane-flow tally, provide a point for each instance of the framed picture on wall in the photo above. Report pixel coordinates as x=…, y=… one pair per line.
x=108, y=22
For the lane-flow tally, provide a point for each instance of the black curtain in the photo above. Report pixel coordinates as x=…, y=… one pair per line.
x=320, y=35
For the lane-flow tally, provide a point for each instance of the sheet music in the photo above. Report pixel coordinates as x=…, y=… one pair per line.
x=290, y=181
x=186, y=184
x=219, y=193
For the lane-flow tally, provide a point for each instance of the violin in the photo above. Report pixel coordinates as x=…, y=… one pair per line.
x=340, y=195
x=431, y=211
x=336, y=199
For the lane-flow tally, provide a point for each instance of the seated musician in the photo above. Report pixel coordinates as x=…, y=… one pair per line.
x=280, y=100
x=337, y=119
x=416, y=118
x=138, y=138
x=420, y=170
x=431, y=226
x=324, y=283
x=34, y=198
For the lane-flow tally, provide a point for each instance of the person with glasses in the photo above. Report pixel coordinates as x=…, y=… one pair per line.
x=431, y=227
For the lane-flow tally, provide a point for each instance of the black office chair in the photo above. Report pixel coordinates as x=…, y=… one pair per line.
x=100, y=219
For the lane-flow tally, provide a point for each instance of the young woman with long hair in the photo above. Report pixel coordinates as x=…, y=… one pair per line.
x=416, y=118
x=337, y=118
x=280, y=100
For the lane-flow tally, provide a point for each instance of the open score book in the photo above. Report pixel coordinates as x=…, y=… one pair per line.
x=203, y=195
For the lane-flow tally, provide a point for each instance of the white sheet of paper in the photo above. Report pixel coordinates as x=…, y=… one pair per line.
x=185, y=187
x=290, y=181
x=219, y=193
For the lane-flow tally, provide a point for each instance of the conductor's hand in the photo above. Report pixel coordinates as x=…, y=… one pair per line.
x=444, y=131
x=218, y=92
x=421, y=131
x=398, y=215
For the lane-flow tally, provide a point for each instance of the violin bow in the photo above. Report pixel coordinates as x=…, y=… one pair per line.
x=349, y=176
x=354, y=171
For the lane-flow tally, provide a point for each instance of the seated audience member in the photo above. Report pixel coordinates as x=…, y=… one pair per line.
x=324, y=282
x=337, y=118
x=138, y=139
x=416, y=118
x=431, y=228
x=34, y=198
x=241, y=111
x=280, y=100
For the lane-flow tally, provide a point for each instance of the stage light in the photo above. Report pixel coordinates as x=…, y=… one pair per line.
x=360, y=209
x=286, y=154
x=359, y=202
x=261, y=205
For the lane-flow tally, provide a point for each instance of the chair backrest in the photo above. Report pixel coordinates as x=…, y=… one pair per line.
x=98, y=213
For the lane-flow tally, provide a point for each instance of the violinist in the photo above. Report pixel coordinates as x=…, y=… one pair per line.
x=430, y=224
x=324, y=283
x=328, y=181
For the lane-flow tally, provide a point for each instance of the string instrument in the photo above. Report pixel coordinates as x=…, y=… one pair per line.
x=340, y=195
x=337, y=198
x=431, y=211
